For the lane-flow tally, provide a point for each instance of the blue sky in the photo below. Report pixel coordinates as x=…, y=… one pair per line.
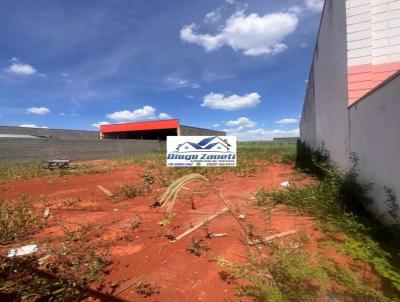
x=228, y=64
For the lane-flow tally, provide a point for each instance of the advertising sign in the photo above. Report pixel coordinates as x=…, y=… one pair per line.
x=201, y=151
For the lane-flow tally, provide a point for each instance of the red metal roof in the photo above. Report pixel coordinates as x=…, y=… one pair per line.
x=141, y=126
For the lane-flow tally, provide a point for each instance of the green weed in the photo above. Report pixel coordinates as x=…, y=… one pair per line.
x=63, y=274
x=16, y=220
x=197, y=248
x=338, y=203
x=16, y=171
x=129, y=191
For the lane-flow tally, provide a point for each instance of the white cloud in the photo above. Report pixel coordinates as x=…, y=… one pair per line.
x=64, y=74
x=295, y=10
x=32, y=126
x=174, y=82
x=287, y=121
x=213, y=16
x=19, y=68
x=252, y=34
x=261, y=134
x=98, y=124
x=231, y=103
x=164, y=116
x=145, y=113
x=242, y=122
x=314, y=5
x=216, y=125
x=38, y=110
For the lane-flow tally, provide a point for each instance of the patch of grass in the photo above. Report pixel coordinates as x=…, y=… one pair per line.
x=16, y=221
x=76, y=235
x=356, y=287
x=146, y=289
x=338, y=202
x=135, y=223
x=70, y=201
x=282, y=152
x=16, y=171
x=128, y=191
x=63, y=274
x=290, y=275
x=286, y=276
x=148, y=180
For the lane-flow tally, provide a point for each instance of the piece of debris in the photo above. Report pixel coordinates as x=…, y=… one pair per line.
x=57, y=164
x=23, y=250
x=272, y=237
x=216, y=235
x=46, y=212
x=105, y=191
x=285, y=184
x=242, y=217
x=200, y=225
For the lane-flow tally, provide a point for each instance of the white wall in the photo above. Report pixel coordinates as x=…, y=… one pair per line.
x=307, y=124
x=373, y=31
x=325, y=116
x=375, y=138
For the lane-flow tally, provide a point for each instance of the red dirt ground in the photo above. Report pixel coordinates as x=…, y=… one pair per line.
x=145, y=254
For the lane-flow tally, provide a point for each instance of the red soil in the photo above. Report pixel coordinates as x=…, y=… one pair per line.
x=145, y=254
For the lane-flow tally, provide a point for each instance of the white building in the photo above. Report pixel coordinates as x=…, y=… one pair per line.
x=352, y=103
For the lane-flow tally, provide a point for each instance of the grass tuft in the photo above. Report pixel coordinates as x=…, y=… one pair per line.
x=16, y=221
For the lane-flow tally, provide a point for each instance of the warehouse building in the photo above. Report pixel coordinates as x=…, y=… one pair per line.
x=158, y=130
x=352, y=102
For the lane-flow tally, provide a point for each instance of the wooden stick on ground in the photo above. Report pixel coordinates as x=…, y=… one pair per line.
x=272, y=237
x=105, y=191
x=199, y=225
x=212, y=235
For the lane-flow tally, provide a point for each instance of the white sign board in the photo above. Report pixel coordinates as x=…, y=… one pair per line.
x=201, y=151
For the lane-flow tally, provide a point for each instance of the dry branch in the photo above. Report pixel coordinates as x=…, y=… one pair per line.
x=199, y=225
x=105, y=191
x=272, y=237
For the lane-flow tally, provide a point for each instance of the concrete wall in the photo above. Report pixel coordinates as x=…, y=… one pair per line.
x=187, y=130
x=308, y=127
x=324, y=123
x=375, y=138
x=51, y=133
x=26, y=150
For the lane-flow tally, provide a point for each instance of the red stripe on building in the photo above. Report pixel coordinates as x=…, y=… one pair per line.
x=141, y=126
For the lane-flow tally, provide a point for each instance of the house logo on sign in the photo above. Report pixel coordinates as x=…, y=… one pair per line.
x=214, y=143
x=205, y=151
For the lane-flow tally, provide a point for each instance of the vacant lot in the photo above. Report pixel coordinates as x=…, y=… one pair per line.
x=94, y=245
